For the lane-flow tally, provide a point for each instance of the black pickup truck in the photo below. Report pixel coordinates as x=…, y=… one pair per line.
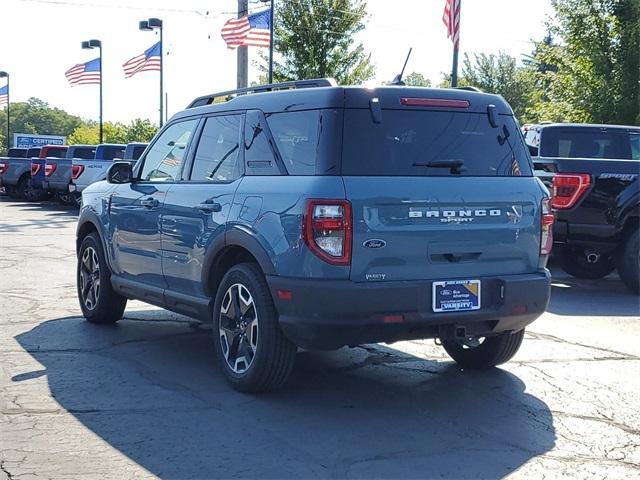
x=593, y=171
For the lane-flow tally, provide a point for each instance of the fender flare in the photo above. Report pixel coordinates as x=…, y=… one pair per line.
x=240, y=237
x=89, y=216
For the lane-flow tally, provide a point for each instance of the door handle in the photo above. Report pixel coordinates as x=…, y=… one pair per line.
x=149, y=202
x=209, y=206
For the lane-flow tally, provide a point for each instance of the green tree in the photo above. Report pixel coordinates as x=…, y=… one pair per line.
x=416, y=79
x=598, y=64
x=501, y=75
x=315, y=39
x=140, y=130
x=37, y=117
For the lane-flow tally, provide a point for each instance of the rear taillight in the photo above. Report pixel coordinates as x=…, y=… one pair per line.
x=568, y=188
x=35, y=168
x=546, y=222
x=76, y=171
x=49, y=168
x=3, y=167
x=328, y=230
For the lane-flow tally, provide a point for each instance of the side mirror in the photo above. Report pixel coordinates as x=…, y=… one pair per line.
x=120, y=172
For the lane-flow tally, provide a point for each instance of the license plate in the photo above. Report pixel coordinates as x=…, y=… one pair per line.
x=456, y=295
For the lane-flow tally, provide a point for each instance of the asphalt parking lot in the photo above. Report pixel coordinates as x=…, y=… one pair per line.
x=144, y=398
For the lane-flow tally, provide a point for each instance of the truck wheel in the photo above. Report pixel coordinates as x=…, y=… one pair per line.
x=254, y=353
x=574, y=261
x=29, y=193
x=98, y=301
x=492, y=351
x=11, y=191
x=629, y=261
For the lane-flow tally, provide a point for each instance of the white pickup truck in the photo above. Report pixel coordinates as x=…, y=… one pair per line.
x=85, y=172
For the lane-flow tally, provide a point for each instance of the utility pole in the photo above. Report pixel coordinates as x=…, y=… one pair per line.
x=243, y=52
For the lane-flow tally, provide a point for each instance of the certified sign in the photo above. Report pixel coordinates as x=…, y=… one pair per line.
x=28, y=140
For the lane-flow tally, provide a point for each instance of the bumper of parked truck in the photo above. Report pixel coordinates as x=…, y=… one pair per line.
x=328, y=314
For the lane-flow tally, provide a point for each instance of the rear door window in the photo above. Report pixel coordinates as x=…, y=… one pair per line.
x=217, y=156
x=296, y=135
x=426, y=143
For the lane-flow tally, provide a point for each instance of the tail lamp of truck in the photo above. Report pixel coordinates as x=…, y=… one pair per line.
x=49, y=168
x=328, y=230
x=568, y=189
x=76, y=171
x=35, y=168
x=4, y=166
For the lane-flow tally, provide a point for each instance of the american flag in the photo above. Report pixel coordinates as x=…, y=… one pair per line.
x=84, y=73
x=251, y=30
x=147, y=61
x=451, y=19
x=4, y=95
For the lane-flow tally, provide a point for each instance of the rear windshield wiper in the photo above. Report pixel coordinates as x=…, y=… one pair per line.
x=454, y=166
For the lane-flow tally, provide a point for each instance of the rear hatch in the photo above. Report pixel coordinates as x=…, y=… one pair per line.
x=439, y=193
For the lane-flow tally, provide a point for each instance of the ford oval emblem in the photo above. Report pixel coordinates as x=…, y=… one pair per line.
x=374, y=243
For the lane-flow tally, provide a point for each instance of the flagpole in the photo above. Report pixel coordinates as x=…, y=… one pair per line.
x=161, y=77
x=273, y=5
x=454, y=69
x=101, y=92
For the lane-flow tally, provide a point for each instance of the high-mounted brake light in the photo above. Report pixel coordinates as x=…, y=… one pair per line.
x=328, y=230
x=49, y=168
x=76, y=171
x=568, y=188
x=35, y=168
x=3, y=167
x=434, y=102
x=546, y=222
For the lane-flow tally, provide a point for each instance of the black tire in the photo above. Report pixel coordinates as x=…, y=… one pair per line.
x=629, y=261
x=273, y=356
x=11, y=191
x=491, y=352
x=574, y=262
x=27, y=192
x=99, y=304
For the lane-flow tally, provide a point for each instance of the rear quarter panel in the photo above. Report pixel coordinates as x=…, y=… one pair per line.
x=17, y=167
x=271, y=210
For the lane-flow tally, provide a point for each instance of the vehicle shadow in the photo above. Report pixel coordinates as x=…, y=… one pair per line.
x=151, y=389
x=604, y=297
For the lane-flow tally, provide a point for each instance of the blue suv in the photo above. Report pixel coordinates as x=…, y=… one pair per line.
x=310, y=215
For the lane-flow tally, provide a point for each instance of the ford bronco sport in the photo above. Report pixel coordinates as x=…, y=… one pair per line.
x=310, y=215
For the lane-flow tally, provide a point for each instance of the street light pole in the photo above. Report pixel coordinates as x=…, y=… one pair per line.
x=89, y=45
x=2, y=75
x=148, y=25
x=271, y=14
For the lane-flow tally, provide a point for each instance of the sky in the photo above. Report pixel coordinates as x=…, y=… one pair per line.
x=40, y=40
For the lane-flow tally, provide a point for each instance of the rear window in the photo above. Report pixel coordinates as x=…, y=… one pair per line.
x=579, y=142
x=426, y=143
x=56, y=152
x=33, y=152
x=84, y=153
x=17, y=152
x=137, y=151
x=111, y=153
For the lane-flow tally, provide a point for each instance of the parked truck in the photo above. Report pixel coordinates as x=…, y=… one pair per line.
x=38, y=170
x=88, y=171
x=58, y=171
x=15, y=173
x=593, y=171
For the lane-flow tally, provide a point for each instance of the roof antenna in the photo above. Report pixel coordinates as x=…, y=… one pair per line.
x=398, y=78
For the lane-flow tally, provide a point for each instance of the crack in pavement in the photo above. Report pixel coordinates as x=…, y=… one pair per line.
x=605, y=420
x=546, y=336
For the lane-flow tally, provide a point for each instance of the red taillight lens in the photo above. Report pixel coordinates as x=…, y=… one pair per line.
x=49, y=168
x=328, y=230
x=434, y=102
x=76, y=171
x=3, y=167
x=35, y=168
x=568, y=188
x=546, y=221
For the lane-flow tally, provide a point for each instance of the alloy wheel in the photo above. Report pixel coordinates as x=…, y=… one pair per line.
x=90, y=278
x=238, y=328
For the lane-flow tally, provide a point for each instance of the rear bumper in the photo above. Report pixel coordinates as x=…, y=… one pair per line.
x=603, y=237
x=58, y=186
x=328, y=314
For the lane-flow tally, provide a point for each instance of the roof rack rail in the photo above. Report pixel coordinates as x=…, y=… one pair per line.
x=469, y=88
x=316, y=82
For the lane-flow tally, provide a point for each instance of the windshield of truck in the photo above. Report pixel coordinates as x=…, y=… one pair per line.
x=432, y=143
x=590, y=142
